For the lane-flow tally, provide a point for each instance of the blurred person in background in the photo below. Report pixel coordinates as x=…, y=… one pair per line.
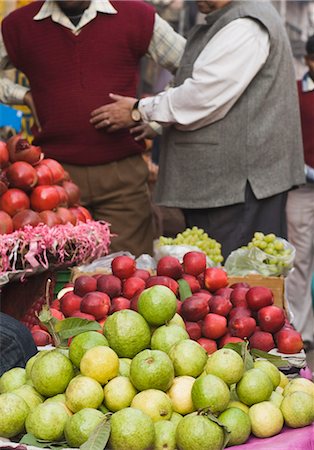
x=300, y=214
x=16, y=343
x=231, y=146
x=74, y=53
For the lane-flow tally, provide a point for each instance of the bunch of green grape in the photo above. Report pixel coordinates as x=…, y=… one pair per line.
x=197, y=237
x=272, y=246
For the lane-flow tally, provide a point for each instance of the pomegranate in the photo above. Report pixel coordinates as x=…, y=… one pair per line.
x=22, y=175
x=85, y=211
x=25, y=217
x=44, y=174
x=44, y=197
x=64, y=199
x=21, y=150
x=50, y=218
x=4, y=155
x=56, y=169
x=6, y=224
x=13, y=201
x=65, y=215
x=78, y=214
x=73, y=192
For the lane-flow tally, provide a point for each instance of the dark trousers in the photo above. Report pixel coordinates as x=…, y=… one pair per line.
x=233, y=226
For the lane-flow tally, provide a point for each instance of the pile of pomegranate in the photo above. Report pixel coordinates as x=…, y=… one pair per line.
x=35, y=189
x=214, y=315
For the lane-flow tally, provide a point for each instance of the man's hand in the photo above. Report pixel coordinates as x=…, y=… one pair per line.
x=28, y=101
x=114, y=116
x=143, y=131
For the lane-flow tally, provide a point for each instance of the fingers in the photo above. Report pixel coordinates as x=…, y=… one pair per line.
x=116, y=97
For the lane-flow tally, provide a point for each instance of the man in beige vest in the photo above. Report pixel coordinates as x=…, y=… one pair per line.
x=232, y=145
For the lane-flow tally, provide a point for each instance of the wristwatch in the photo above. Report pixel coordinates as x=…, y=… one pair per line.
x=135, y=113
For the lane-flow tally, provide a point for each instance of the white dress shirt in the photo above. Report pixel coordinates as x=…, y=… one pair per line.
x=166, y=46
x=221, y=73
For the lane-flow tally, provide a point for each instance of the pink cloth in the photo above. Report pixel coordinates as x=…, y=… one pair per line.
x=288, y=439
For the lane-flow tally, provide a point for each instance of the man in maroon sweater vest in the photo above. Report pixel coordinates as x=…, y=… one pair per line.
x=300, y=214
x=74, y=53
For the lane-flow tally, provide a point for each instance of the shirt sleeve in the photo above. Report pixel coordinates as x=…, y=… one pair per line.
x=166, y=47
x=221, y=73
x=10, y=93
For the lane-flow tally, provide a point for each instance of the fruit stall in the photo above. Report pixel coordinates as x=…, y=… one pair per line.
x=178, y=351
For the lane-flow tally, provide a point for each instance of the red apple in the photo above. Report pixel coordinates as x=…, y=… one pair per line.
x=110, y=285
x=259, y=296
x=194, y=308
x=165, y=281
x=204, y=294
x=228, y=339
x=242, y=327
x=132, y=286
x=169, y=266
x=214, y=326
x=41, y=337
x=224, y=292
x=192, y=282
x=56, y=313
x=119, y=303
x=141, y=273
x=55, y=304
x=208, y=344
x=69, y=303
x=82, y=315
x=102, y=321
x=289, y=341
x=179, y=306
x=240, y=284
x=96, y=303
x=123, y=266
x=194, y=263
x=194, y=330
x=271, y=318
x=238, y=296
x=220, y=305
x=262, y=341
x=134, y=302
x=201, y=279
x=215, y=278
x=84, y=284
x=239, y=311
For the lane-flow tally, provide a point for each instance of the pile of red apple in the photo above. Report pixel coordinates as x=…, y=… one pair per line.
x=34, y=189
x=214, y=315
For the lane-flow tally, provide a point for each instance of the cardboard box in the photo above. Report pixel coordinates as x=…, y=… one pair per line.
x=276, y=284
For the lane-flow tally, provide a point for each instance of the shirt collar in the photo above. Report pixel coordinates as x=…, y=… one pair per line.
x=51, y=9
x=307, y=83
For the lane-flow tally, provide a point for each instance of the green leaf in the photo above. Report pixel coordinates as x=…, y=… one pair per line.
x=242, y=349
x=247, y=357
x=30, y=439
x=100, y=436
x=278, y=361
x=184, y=289
x=72, y=326
x=237, y=347
x=206, y=412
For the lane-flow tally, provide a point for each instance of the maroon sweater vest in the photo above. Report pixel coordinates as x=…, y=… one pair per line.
x=70, y=76
x=306, y=100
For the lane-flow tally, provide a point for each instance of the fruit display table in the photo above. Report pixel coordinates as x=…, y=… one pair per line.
x=288, y=439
